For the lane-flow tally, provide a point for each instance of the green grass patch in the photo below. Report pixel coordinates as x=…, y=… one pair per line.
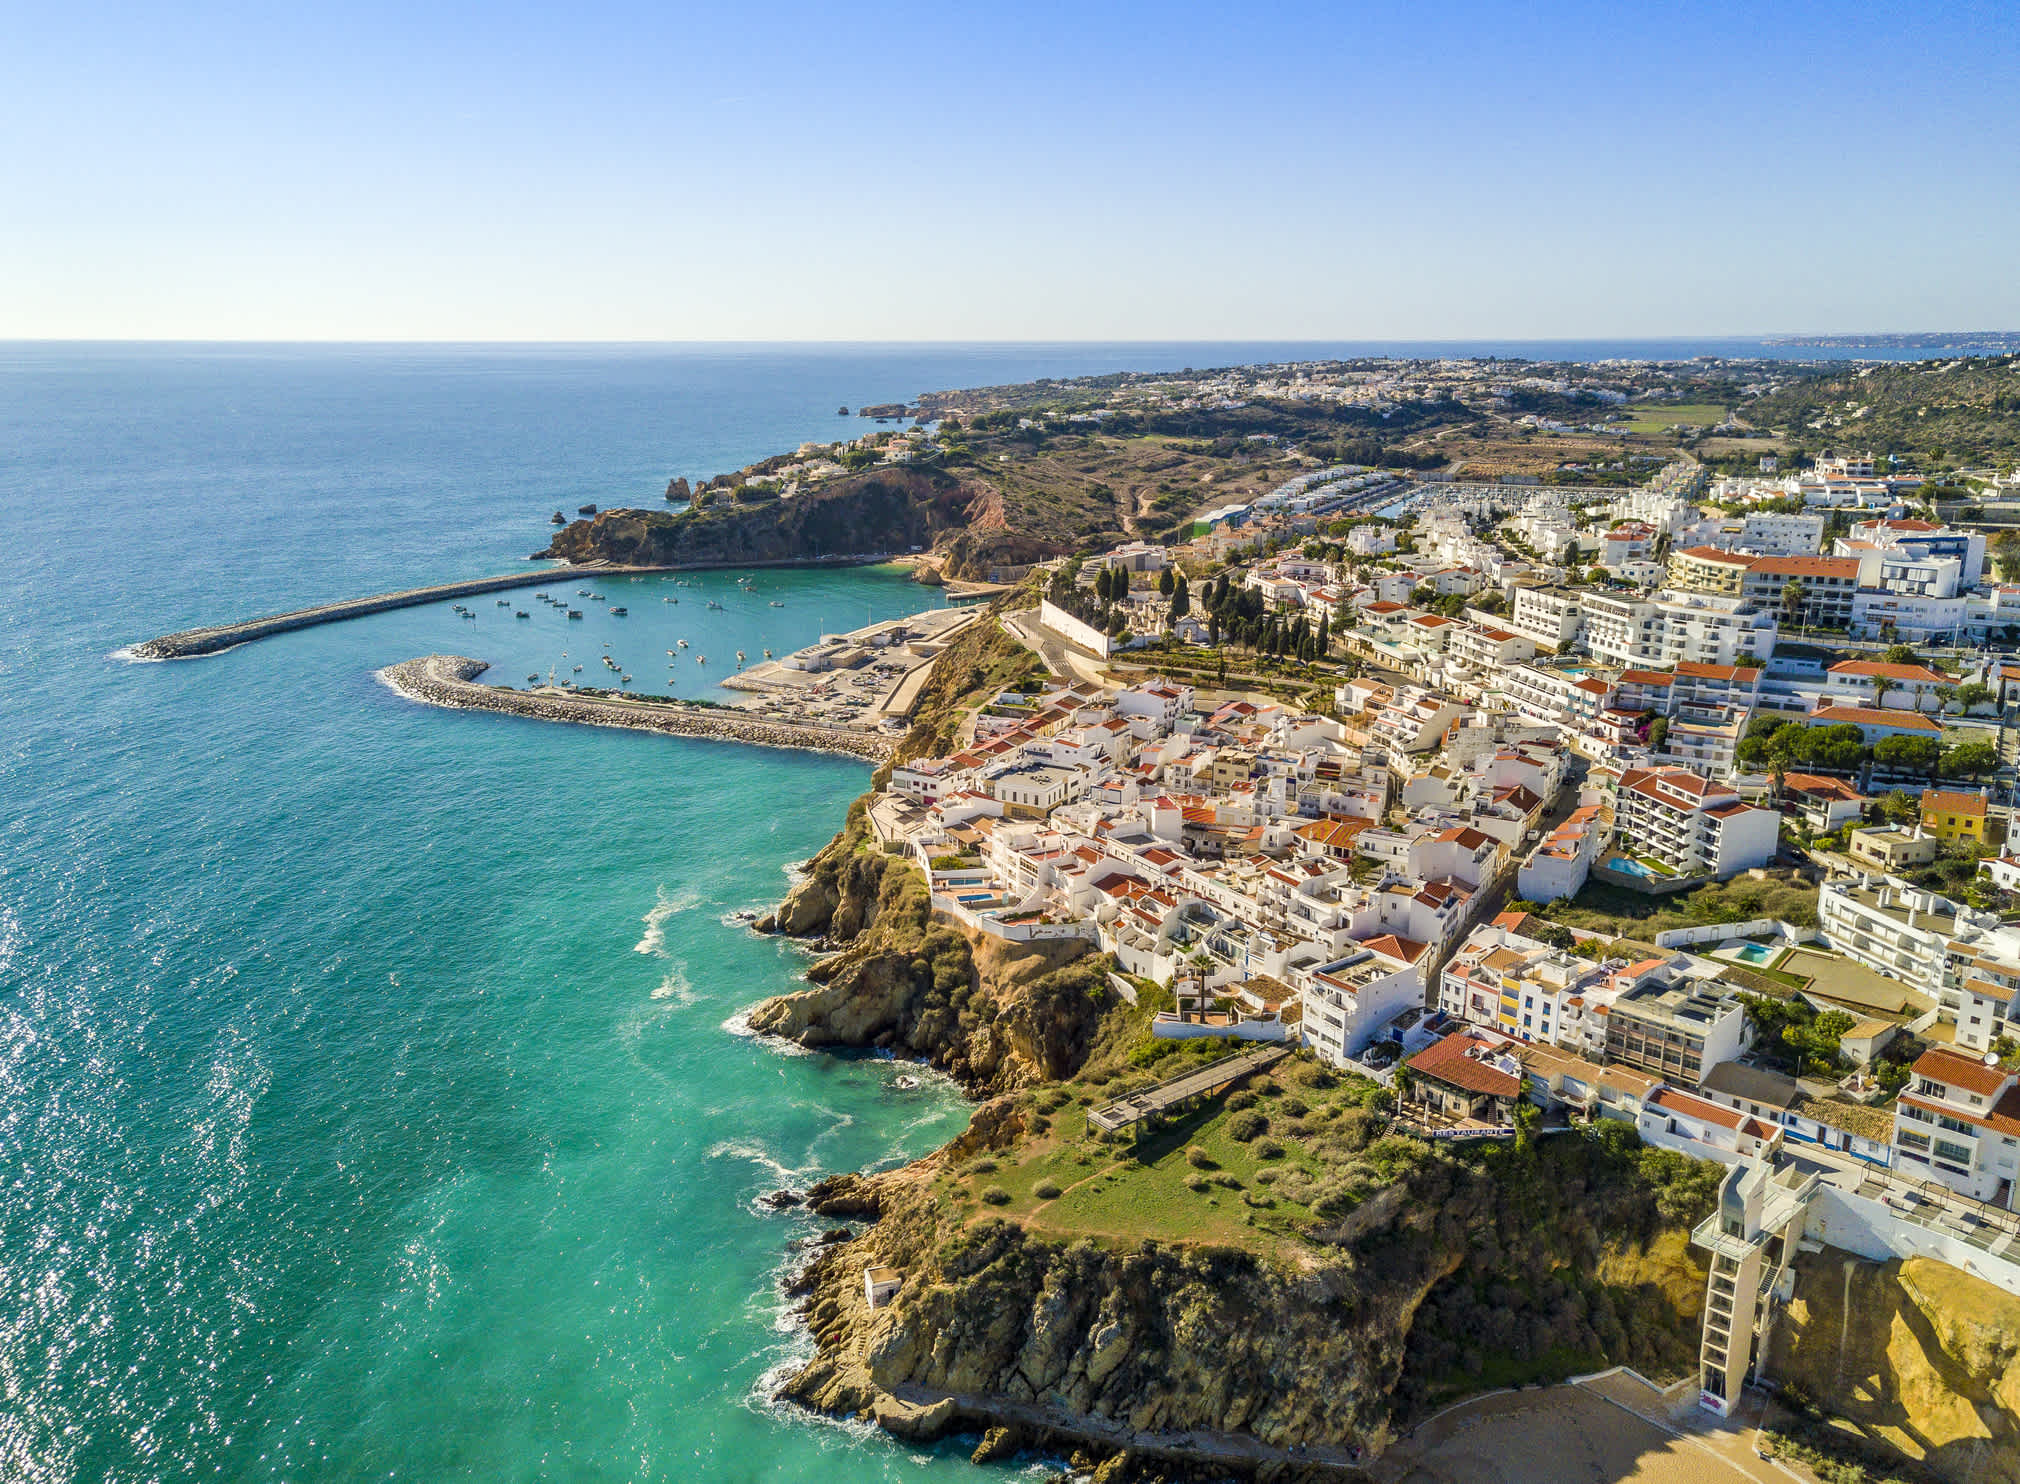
x=1660, y=417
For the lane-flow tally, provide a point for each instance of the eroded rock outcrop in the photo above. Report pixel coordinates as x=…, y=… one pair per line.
x=1128, y=1345
x=1920, y=1357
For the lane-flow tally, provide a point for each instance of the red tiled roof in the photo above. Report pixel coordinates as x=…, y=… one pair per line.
x=1408, y=950
x=1892, y=672
x=1448, y=1062
x=1868, y=716
x=1958, y=1070
x=1698, y=670
x=1672, y=1101
x=1947, y=802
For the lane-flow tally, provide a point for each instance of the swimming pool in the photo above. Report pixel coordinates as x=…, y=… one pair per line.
x=1753, y=953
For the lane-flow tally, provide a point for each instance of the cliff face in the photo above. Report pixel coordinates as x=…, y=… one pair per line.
x=995, y=1016
x=876, y=513
x=1921, y=1358
x=996, y=1324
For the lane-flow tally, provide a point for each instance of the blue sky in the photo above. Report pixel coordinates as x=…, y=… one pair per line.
x=747, y=171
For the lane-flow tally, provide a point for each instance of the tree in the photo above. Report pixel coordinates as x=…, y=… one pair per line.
x=1658, y=733
x=1103, y=588
x=1181, y=599
x=1165, y=583
x=1972, y=694
x=1325, y=635
x=1901, y=654
x=1881, y=685
x=1817, y=1042
x=1792, y=599
x=2006, y=554
x=1970, y=760
x=1909, y=755
x=1899, y=807
x=1213, y=634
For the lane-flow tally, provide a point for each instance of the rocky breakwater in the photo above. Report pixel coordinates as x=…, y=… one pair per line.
x=450, y=680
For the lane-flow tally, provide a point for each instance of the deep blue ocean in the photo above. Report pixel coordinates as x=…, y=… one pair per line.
x=371, y=1102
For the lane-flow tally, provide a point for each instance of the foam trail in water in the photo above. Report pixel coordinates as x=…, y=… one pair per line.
x=664, y=907
x=675, y=986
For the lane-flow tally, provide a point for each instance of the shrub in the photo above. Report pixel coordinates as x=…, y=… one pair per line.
x=1197, y=1183
x=1198, y=1158
x=1294, y=1107
x=1046, y=1190
x=1227, y=1180
x=1266, y=1177
x=1268, y=1149
x=982, y=1166
x=996, y=1195
x=1247, y=1124
x=1240, y=1100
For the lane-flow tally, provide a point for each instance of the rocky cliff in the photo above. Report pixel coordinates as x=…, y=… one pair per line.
x=994, y=1015
x=876, y=513
x=1124, y=1345
x=1922, y=1360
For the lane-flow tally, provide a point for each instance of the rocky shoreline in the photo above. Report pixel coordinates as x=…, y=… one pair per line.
x=449, y=680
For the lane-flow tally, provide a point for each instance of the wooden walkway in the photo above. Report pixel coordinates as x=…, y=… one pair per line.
x=1153, y=1103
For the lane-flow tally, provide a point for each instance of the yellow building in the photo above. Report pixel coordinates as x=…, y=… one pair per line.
x=1953, y=816
x=1705, y=569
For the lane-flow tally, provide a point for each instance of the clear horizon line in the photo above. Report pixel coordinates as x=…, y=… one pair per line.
x=1763, y=336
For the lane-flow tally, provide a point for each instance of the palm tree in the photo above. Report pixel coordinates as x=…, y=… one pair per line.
x=1881, y=685
x=1792, y=598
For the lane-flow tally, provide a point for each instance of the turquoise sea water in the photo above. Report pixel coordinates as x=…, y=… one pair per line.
x=369, y=1106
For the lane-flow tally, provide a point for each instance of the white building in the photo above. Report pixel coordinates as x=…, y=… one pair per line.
x=1692, y=825
x=1958, y=1122
x=1348, y=1001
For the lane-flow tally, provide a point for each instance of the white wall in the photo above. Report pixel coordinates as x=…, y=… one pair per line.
x=1065, y=624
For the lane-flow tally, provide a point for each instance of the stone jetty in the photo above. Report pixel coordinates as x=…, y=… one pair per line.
x=451, y=680
x=189, y=643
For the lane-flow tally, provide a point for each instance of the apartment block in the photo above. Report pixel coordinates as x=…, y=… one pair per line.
x=1691, y=825
x=1958, y=1123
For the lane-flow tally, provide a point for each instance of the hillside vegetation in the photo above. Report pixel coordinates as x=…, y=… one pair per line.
x=1931, y=413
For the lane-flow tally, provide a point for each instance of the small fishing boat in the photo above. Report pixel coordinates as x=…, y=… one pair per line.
x=701, y=659
x=624, y=680
x=522, y=613
x=532, y=679
x=582, y=592
x=504, y=603
x=683, y=645
x=739, y=656
x=715, y=605
x=777, y=604
x=768, y=654
x=578, y=669
x=575, y=613
x=619, y=612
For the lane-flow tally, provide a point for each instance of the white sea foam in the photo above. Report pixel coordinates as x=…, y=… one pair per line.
x=664, y=907
x=739, y=1025
x=675, y=986
x=758, y=1155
